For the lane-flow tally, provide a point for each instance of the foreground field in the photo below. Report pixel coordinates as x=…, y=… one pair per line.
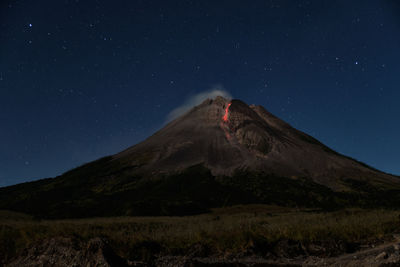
x=268, y=232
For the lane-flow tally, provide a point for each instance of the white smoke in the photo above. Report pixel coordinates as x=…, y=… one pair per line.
x=196, y=100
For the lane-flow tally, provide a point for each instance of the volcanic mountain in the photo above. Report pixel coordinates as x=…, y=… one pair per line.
x=221, y=152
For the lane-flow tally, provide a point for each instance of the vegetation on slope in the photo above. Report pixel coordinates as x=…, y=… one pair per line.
x=107, y=188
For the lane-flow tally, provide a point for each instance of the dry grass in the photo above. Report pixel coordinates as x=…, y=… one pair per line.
x=232, y=230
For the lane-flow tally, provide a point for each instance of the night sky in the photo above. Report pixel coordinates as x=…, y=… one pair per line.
x=81, y=80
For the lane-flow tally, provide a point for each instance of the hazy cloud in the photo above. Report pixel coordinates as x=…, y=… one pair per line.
x=196, y=100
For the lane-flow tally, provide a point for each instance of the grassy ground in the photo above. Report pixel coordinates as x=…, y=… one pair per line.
x=254, y=229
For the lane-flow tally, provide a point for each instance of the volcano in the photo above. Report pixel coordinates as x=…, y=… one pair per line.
x=221, y=152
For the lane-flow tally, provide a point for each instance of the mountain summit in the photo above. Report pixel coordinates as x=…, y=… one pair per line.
x=221, y=152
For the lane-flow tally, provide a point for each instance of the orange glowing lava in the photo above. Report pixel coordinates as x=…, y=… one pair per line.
x=225, y=117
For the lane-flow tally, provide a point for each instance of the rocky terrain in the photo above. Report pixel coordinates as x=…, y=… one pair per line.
x=96, y=252
x=68, y=252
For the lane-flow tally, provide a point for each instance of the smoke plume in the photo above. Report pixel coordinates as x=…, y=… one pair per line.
x=196, y=100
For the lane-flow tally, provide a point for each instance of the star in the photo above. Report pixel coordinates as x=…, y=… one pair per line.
x=30, y=25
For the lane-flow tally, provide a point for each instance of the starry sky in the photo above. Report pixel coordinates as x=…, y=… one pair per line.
x=81, y=80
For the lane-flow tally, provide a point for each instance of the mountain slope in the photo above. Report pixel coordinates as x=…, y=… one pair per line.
x=229, y=135
x=219, y=153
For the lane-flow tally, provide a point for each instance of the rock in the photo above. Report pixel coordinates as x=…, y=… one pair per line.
x=381, y=256
x=68, y=252
x=396, y=247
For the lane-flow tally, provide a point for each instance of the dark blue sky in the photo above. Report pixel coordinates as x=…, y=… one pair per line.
x=83, y=79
